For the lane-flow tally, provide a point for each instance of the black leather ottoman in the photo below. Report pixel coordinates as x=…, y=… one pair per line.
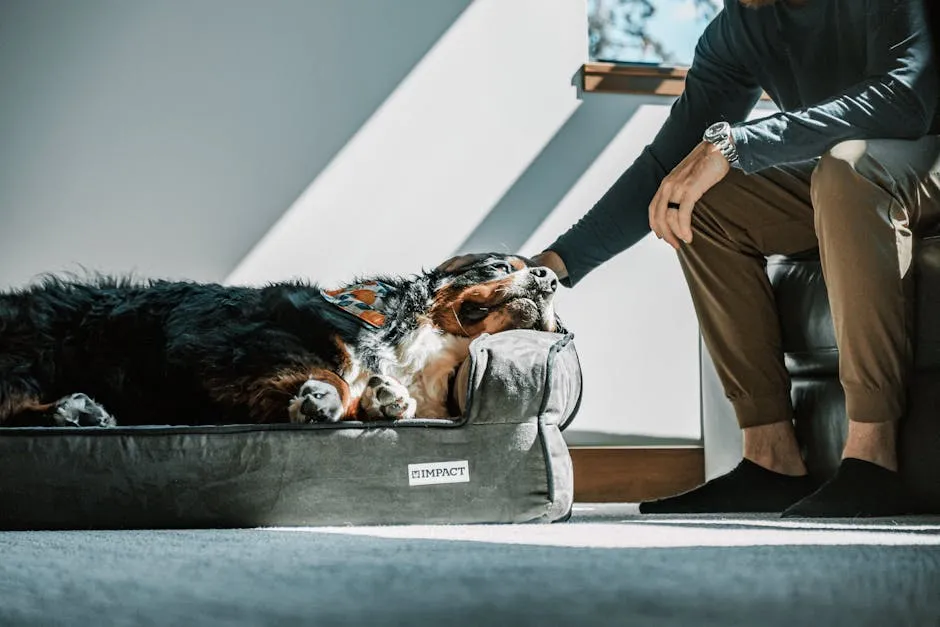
x=812, y=360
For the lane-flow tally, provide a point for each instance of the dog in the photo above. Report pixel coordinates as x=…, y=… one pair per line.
x=98, y=352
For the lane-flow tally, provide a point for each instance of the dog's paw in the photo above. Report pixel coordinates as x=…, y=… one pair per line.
x=384, y=397
x=317, y=401
x=78, y=410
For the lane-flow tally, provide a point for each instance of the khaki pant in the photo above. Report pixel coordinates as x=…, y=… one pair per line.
x=859, y=203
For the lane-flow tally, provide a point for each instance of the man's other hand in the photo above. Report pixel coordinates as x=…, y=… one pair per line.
x=682, y=188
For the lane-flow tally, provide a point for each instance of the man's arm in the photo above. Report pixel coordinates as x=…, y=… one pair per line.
x=898, y=100
x=717, y=87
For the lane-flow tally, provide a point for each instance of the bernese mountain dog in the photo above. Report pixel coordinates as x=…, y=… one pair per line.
x=107, y=351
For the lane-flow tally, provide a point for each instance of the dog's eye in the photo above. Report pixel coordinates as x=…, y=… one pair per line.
x=318, y=395
x=503, y=266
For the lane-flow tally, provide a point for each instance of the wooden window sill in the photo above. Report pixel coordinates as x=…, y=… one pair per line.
x=616, y=78
x=625, y=78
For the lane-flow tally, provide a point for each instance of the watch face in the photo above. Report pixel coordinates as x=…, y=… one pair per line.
x=716, y=131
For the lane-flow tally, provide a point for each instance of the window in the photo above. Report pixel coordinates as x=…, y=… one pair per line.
x=659, y=32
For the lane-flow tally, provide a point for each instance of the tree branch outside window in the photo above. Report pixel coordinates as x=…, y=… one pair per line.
x=620, y=30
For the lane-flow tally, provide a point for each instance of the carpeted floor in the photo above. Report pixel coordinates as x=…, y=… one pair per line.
x=607, y=566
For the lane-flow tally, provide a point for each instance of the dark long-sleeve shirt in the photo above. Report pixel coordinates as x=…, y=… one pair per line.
x=836, y=69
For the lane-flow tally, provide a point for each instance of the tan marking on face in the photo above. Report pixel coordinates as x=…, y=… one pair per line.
x=517, y=264
x=486, y=293
x=447, y=303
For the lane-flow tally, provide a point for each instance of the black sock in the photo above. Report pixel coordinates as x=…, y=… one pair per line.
x=747, y=488
x=858, y=489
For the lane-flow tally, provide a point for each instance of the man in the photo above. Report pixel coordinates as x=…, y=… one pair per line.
x=851, y=164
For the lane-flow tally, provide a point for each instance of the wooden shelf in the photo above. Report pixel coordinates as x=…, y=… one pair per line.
x=623, y=78
x=615, y=78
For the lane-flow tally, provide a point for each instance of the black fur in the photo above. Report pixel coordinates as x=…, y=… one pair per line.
x=163, y=352
x=147, y=350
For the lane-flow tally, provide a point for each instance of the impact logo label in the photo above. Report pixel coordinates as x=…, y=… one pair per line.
x=439, y=472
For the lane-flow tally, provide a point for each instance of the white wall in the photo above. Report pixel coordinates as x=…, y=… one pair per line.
x=633, y=319
x=442, y=149
x=167, y=136
x=248, y=142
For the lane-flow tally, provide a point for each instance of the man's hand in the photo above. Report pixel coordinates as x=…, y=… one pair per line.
x=551, y=260
x=548, y=258
x=684, y=186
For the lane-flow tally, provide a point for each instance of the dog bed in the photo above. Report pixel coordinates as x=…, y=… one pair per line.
x=503, y=461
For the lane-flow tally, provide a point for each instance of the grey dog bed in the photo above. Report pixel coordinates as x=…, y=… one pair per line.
x=504, y=461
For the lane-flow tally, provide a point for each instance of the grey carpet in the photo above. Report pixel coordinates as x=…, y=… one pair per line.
x=605, y=567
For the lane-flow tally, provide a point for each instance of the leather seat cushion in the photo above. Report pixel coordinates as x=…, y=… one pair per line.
x=812, y=360
x=806, y=324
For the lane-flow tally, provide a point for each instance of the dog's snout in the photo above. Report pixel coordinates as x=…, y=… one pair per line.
x=317, y=412
x=547, y=278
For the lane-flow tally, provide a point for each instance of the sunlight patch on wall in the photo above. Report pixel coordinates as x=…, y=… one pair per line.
x=639, y=351
x=438, y=154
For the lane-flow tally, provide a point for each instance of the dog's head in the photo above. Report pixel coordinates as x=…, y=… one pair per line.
x=496, y=293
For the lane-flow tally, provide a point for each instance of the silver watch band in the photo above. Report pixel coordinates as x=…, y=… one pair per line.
x=719, y=134
x=727, y=148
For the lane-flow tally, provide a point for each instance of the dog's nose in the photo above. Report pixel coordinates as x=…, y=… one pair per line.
x=547, y=278
x=307, y=408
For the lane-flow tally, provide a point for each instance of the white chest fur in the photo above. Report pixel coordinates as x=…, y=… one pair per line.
x=423, y=363
x=426, y=359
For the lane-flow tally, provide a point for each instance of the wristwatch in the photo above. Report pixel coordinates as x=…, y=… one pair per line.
x=719, y=134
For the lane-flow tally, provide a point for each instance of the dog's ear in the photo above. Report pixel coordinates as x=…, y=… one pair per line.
x=302, y=310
